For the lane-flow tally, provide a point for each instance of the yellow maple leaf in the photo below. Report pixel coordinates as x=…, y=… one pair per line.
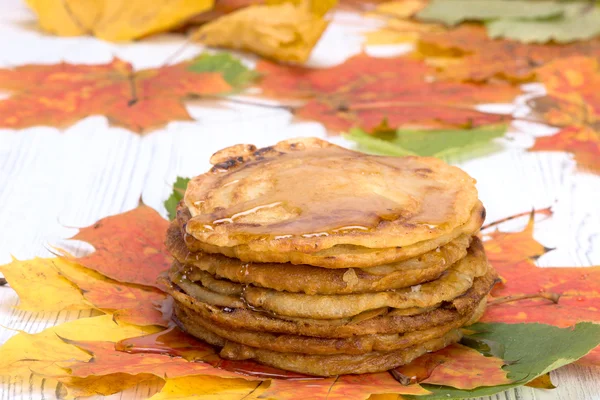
x=282, y=32
x=400, y=9
x=208, y=387
x=115, y=20
x=42, y=352
x=105, y=385
x=41, y=287
x=318, y=7
x=398, y=29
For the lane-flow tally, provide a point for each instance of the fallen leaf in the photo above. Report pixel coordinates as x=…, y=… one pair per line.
x=25, y=353
x=458, y=366
x=399, y=9
x=129, y=246
x=208, y=387
x=114, y=20
x=581, y=23
x=582, y=141
x=128, y=303
x=397, y=31
x=467, y=53
x=571, y=102
x=344, y=387
x=105, y=360
x=434, y=143
x=61, y=94
x=453, y=12
x=541, y=382
x=176, y=343
x=41, y=288
x=512, y=255
x=282, y=32
x=531, y=350
x=176, y=196
x=105, y=385
x=350, y=95
x=224, y=7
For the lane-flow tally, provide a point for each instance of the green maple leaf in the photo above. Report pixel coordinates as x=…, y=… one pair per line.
x=233, y=70
x=434, y=143
x=530, y=350
x=176, y=195
x=579, y=24
x=453, y=12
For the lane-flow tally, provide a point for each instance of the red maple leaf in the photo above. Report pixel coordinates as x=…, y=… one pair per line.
x=382, y=93
x=61, y=94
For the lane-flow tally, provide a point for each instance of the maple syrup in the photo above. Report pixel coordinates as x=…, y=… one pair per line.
x=319, y=192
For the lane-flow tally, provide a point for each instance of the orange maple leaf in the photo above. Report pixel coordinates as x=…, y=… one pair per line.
x=106, y=361
x=344, y=387
x=572, y=101
x=129, y=247
x=467, y=53
x=457, y=366
x=382, y=93
x=129, y=303
x=61, y=94
x=512, y=255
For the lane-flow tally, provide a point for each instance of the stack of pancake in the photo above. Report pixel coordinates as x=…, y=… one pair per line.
x=313, y=258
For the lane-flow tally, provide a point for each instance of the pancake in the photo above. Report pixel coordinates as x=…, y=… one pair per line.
x=324, y=346
x=454, y=282
x=246, y=319
x=314, y=280
x=326, y=365
x=307, y=195
x=339, y=256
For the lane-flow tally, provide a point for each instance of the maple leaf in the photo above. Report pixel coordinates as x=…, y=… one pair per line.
x=25, y=353
x=457, y=366
x=107, y=361
x=176, y=196
x=434, y=143
x=129, y=246
x=282, y=31
x=453, y=12
x=114, y=20
x=532, y=350
x=41, y=287
x=512, y=255
x=571, y=101
x=525, y=21
x=61, y=94
x=468, y=53
x=128, y=303
x=350, y=95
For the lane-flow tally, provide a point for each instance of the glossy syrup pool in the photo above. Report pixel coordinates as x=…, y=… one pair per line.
x=320, y=192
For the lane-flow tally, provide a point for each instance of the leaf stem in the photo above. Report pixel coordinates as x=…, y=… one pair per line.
x=544, y=211
x=551, y=296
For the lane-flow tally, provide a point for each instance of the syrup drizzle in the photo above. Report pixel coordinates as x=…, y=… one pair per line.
x=324, y=191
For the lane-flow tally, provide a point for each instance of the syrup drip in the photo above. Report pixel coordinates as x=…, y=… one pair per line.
x=324, y=191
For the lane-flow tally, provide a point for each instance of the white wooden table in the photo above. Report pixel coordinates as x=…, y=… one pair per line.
x=52, y=180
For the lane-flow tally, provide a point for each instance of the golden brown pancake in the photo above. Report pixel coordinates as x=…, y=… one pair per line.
x=454, y=282
x=307, y=195
x=339, y=256
x=314, y=345
x=326, y=365
x=246, y=319
x=314, y=280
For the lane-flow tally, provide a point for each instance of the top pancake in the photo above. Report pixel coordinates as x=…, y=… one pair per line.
x=306, y=195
